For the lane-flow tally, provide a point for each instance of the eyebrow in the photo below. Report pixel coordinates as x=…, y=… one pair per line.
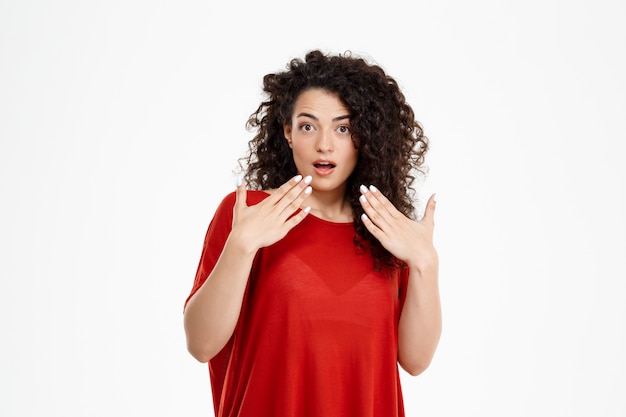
x=336, y=119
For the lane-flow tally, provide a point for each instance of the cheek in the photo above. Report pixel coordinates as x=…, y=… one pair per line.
x=355, y=158
x=298, y=154
x=350, y=152
x=296, y=150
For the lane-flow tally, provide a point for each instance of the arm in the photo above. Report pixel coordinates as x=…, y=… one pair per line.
x=419, y=328
x=211, y=314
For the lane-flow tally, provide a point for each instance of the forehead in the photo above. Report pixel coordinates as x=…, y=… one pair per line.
x=320, y=102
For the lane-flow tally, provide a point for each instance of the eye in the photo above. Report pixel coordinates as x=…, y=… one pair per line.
x=344, y=129
x=306, y=127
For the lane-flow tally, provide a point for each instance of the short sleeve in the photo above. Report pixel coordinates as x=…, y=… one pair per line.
x=214, y=240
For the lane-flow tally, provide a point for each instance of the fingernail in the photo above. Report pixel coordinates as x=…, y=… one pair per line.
x=308, y=190
x=297, y=178
x=238, y=180
x=435, y=197
x=307, y=209
x=362, y=199
x=364, y=216
x=373, y=189
x=363, y=189
x=308, y=179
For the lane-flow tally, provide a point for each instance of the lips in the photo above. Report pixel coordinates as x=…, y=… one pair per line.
x=324, y=167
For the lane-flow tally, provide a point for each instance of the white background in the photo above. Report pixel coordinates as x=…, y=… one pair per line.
x=121, y=123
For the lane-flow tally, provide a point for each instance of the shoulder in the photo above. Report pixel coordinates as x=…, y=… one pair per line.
x=256, y=196
x=221, y=223
x=253, y=197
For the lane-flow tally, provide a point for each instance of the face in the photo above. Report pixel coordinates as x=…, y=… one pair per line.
x=320, y=138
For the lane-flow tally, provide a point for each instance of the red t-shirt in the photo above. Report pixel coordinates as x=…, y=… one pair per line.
x=318, y=329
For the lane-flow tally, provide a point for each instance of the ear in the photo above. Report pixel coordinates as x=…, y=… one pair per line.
x=287, y=132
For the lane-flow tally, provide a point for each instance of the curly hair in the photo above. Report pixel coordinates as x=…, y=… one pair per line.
x=390, y=142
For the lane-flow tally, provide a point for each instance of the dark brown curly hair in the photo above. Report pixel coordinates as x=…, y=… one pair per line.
x=391, y=143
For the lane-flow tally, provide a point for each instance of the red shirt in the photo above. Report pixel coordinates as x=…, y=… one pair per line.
x=318, y=329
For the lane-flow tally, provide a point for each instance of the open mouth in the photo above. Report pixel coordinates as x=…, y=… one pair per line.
x=324, y=165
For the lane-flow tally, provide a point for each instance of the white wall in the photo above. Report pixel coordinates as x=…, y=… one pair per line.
x=120, y=122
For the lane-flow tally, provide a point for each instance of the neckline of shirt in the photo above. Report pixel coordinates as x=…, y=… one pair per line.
x=313, y=216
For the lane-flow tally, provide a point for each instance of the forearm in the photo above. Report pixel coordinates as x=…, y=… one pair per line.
x=419, y=328
x=212, y=313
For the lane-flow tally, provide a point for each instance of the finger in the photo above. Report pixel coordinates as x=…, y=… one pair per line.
x=370, y=215
x=371, y=226
x=292, y=198
x=292, y=202
x=297, y=218
x=377, y=206
x=281, y=191
x=380, y=202
x=429, y=212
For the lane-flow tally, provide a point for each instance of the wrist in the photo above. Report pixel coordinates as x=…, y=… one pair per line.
x=425, y=262
x=240, y=246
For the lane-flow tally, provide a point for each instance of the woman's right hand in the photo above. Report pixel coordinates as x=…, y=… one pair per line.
x=267, y=222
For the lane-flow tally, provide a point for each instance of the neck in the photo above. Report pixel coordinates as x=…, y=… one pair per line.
x=330, y=206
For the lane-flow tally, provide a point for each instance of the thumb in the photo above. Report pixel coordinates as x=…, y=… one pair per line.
x=429, y=212
x=240, y=192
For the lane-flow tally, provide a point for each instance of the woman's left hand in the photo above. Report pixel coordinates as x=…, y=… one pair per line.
x=408, y=240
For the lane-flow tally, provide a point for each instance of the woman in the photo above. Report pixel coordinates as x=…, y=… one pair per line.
x=315, y=283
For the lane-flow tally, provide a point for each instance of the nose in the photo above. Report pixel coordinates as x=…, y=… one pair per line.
x=324, y=142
